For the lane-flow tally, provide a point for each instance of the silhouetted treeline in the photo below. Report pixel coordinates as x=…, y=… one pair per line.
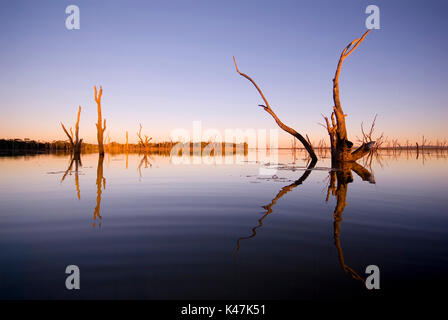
x=17, y=145
x=32, y=145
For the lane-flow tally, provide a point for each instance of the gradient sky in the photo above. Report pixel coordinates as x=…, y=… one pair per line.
x=167, y=63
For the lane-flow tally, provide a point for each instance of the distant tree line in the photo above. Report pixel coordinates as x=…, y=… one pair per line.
x=32, y=145
x=65, y=146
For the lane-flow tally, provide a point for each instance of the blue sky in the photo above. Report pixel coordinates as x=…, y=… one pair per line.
x=166, y=64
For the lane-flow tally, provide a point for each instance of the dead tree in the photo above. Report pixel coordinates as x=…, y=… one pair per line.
x=127, y=145
x=75, y=142
x=423, y=142
x=144, y=143
x=99, y=126
x=341, y=147
x=269, y=110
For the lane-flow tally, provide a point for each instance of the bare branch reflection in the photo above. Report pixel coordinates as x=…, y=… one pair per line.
x=144, y=161
x=100, y=185
x=339, y=178
x=338, y=187
x=268, y=207
x=77, y=161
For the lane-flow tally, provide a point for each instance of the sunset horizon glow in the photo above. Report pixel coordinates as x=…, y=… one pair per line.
x=167, y=65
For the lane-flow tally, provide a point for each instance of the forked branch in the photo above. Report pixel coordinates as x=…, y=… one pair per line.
x=340, y=116
x=68, y=135
x=331, y=129
x=101, y=127
x=341, y=146
x=75, y=142
x=145, y=142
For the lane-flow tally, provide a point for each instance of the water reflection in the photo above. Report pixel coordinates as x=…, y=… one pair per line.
x=268, y=207
x=77, y=161
x=144, y=161
x=339, y=178
x=100, y=185
x=188, y=237
x=338, y=187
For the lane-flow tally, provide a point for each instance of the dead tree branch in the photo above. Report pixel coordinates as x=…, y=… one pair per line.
x=342, y=146
x=144, y=143
x=75, y=142
x=269, y=110
x=101, y=127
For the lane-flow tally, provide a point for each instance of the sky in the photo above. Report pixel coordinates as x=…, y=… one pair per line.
x=165, y=64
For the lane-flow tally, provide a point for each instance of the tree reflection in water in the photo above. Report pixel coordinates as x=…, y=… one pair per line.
x=338, y=186
x=100, y=185
x=144, y=161
x=77, y=161
x=339, y=178
x=268, y=207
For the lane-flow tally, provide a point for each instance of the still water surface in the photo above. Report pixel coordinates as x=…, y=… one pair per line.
x=152, y=229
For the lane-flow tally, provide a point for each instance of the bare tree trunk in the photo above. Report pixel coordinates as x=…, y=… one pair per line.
x=100, y=127
x=341, y=147
x=268, y=109
x=75, y=142
x=78, y=142
x=144, y=143
x=127, y=146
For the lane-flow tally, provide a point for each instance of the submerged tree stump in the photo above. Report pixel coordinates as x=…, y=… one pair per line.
x=75, y=142
x=144, y=143
x=341, y=147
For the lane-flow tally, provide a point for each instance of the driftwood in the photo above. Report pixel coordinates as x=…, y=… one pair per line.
x=341, y=147
x=269, y=110
x=75, y=142
x=101, y=127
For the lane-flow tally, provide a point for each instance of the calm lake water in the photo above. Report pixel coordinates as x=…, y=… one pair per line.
x=211, y=231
